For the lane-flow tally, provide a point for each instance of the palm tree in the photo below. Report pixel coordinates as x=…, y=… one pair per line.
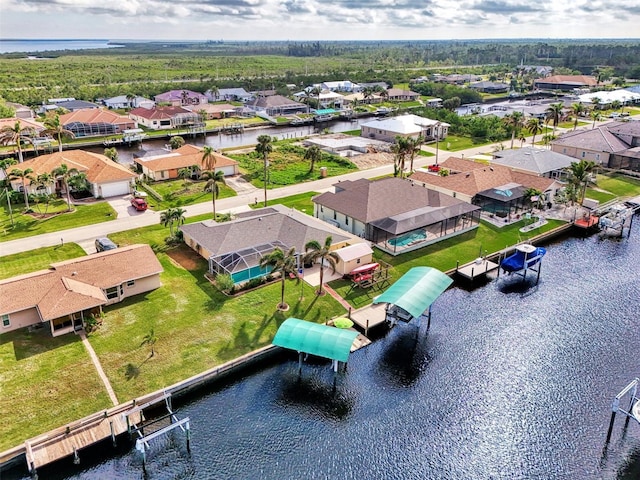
x=16, y=134
x=23, y=175
x=150, y=339
x=176, y=142
x=534, y=128
x=184, y=174
x=595, y=101
x=413, y=147
x=212, y=186
x=130, y=99
x=580, y=175
x=316, y=91
x=209, y=158
x=554, y=112
x=178, y=215
x=616, y=104
x=514, y=122
x=43, y=181
x=264, y=148
x=313, y=154
x=111, y=153
x=314, y=252
x=577, y=109
x=65, y=173
x=5, y=163
x=166, y=219
x=54, y=127
x=595, y=115
x=400, y=149
x=283, y=263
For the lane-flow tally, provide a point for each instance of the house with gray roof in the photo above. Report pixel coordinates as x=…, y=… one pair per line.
x=237, y=94
x=535, y=161
x=396, y=215
x=236, y=247
x=596, y=145
x=275, y=105
x=405, y=126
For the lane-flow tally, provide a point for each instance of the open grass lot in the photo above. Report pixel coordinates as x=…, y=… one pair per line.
x=619, y=185
x=27, y=225
x=178, y=193
x=288, y=167
x=45, y=382
x=599, y=195
x=300, y=202
x=197, y=327
x=38, y=259
x=443, y=255
x=453, y=143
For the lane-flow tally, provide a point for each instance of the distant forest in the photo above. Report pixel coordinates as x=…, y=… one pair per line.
x=148, y=68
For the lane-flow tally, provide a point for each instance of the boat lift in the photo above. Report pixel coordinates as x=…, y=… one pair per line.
x=525, y=258
x=632, y=411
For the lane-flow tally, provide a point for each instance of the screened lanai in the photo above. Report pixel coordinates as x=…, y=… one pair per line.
x=502, y=201
x=244, y=264
x=81, y=129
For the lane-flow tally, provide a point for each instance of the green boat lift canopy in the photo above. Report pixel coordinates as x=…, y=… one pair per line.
x=416, y=290
x=320, y=340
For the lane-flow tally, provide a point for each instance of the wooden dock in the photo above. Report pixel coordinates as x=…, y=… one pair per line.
x=476, y=269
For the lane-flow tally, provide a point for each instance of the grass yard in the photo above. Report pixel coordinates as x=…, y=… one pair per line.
x=301, y=202
x=197, y=327
x=45, y=382
x=444, y=255
x=178, y=193
x=454, y=143
x=28, y=225
x=599, y=195
x=38, y=259
x=288, y=167
x=619, y=185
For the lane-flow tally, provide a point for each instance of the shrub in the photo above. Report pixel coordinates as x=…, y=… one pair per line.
x=224, y=282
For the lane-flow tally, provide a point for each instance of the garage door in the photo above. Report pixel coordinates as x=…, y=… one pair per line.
x=115, y=189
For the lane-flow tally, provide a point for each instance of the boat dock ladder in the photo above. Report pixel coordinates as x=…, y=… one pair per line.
x=632, y=411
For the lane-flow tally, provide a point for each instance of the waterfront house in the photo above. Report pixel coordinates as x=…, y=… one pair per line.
x=395, y=214
x=275, y=105
x=340, y=86
x=535, y=161
x=565, y=83
x=105, y=177
x=237, y=94
x=401, y=95
x=181, y=98
x=596, y=144
x=167, y=165
x=490, y=87
x=158, y=118
x=62, y=297
x=216, y=110
x=404, y=126
x=124, y=101
x=92, y=122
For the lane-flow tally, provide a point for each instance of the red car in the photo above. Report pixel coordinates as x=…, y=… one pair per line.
x=139, y=204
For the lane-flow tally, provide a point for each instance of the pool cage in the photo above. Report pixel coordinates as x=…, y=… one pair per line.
x=243, y=265
x=81, y=129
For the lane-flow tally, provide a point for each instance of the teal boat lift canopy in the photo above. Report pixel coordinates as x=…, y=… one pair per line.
x=416, y=290
x=320, y=340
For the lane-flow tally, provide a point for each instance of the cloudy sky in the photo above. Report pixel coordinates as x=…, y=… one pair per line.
x=314, y=19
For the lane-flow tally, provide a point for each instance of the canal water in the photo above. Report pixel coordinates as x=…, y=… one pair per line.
x=512, y=381
x=249, y=137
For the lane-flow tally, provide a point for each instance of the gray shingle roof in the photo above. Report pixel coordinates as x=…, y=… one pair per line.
x=535, y=160
x=596, y=139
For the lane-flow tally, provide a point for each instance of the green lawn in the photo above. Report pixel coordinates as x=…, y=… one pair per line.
x=45, y=382
x=453, y=143
x=301, y=202
x=38, y=259
x=600, y=196
x=28, y=225
x=444, y=255
x=178, y=193
x=619, y=185
x=288, y=167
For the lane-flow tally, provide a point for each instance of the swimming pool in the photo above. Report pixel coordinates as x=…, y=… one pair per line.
x=406, y=238
x=249, y=273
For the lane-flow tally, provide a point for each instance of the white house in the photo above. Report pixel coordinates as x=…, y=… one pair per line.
x=405, y=126
x=121, y=101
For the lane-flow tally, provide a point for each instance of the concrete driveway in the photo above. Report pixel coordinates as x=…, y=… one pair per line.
x=123, y=208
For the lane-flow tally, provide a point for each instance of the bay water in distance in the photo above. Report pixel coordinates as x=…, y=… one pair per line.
x=8, y=45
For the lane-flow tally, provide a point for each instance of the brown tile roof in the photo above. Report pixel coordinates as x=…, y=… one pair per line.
x=95, y=115
x=98, y=168
x=159, y=113
x=213, y=107
x=569, y=79
x=187, y=156
x=368, y=201
x=24, y=123
x=74, y=285
x=469, y=177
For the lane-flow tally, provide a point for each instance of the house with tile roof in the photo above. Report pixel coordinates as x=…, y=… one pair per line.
x=497, y=189
x=397, y=215
x=565, y=83
x=181, y=98
x=388, y=129
x=236, y=247
x=402, y=95
x=91, y=122
x=216, y=110
x=62, y=297
x=106, y=178
x=159, y=118
x=167, y=165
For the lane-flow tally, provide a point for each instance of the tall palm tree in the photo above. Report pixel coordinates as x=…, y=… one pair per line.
x=54, y=127
x=43, y=182
x=184, y=174
x=314, y=252
x=577, y=109
x=16, y=135
x=595, y=102
x=580, y=175
x=130, y=99
x=413, y=147
x=554, y=112
x=316, y=91
x=150, y=339
x=400, y=150
x=166, y=219
x=209, y=158
x=5, y=163
x=65, y=173
x=534, y=128
x=514, y=122
x=213, y=179
x=313, y=154
x=595, y=115
x=283, y=263
x=264, y=148
x=178, y=215
x=23, y=175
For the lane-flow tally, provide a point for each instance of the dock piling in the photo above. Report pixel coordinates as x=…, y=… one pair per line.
x=76, y=457
x=113, y=433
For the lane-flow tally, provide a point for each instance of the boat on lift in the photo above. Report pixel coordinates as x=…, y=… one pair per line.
x=526, y=256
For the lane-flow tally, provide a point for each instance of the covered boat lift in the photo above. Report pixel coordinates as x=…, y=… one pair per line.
x=414, y=293
x=315, y=339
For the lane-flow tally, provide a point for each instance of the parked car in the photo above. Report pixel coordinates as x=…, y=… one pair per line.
x=139, y=194
x=139, y=204
x=103, y=243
